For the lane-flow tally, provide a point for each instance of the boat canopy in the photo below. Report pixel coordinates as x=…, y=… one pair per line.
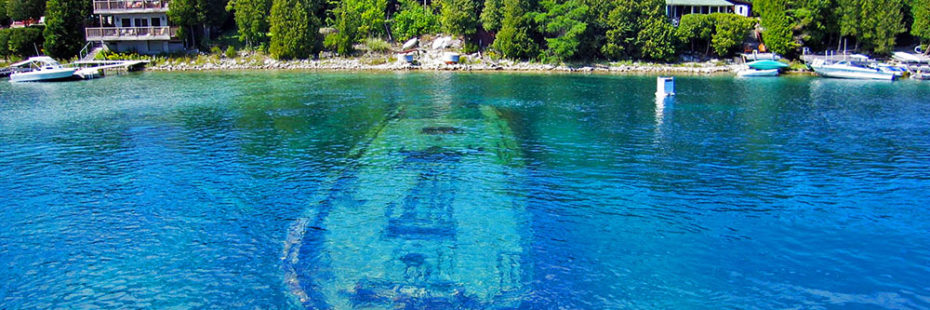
x=44, y=60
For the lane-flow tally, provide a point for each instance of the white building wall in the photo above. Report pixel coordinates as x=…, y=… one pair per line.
x=741, y=10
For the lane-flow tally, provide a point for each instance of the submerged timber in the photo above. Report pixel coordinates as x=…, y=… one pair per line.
x=424, y=220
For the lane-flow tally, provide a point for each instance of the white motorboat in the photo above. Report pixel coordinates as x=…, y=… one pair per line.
x=40, y=68
x=849, y=70
x=922, y=73
x=748, y=72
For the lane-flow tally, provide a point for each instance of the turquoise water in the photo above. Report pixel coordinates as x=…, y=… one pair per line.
x=442, y=190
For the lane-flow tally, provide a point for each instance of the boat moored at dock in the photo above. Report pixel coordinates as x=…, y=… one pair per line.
x=757, y=73
x=40, y=68
x=850, y=70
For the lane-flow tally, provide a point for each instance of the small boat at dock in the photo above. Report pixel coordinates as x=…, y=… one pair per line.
x=40, y=68
x=749, y=72
x=922, y=73
x=767, y=64
x=850, y=70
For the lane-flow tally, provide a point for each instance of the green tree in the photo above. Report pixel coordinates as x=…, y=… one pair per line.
x=25, y=9
x=346, y=23
x=621, y=30
x=874, y=23
x=4, y=17
x=639, y=29
x=251, y=19
x=24, y=42
x=729, y=32
x=563, y=23
x=777, y=33
x=294, y=30
x=656, y=40
x=696, y=29
x=920, y=9
x=815, y=22
x=183, y=13
x=491, y=15
x=459, y=17
x=515, y=39
x=882, y=21
x=370, y=15
x=64, y=27
x=413, y=20
x=197, y=17
x=5, y=44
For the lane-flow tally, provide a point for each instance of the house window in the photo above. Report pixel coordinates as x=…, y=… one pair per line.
x=156, y=22
x=126, y=23
x=142, y=22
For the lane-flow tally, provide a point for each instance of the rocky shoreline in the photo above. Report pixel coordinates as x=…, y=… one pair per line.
x=473, y=63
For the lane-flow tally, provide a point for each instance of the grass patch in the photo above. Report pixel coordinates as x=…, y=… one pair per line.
x=377, y=45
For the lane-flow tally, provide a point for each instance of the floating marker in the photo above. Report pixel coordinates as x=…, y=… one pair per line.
x=665, y=86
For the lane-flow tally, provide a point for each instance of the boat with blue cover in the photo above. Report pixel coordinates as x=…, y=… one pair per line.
x=766, y=64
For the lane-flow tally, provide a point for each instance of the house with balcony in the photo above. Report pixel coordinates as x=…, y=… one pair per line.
x=134, y=26
x=675, y=9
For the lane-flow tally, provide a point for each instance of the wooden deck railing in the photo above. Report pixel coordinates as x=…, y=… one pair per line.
x=130, y=33
x=114, y=6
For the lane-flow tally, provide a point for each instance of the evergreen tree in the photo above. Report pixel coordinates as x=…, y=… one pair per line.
x=694, y=29
x=491, y=15
x=729, y=33
x=25, y=9
x=183, y=13
x=656, y=38
x=194, y=15
x=413, y=20
x=874, y=23
x=294, y=30
x=621, y=30
x=563, y=23
x=920, y=9
x=882, y=21
x=459, y=17
x=251, y=19
x=369, y=15
x=816, y=22
x=4, y=17
x=777, y=32
x=639, y=29
x=514, y=39
x=5, y=44
x=346, y=23
x=64, y=28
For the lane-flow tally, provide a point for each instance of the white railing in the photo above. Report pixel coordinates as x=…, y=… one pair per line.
x=130, y=33
x=115, y=6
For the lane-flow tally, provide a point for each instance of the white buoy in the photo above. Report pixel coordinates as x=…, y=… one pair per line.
x=665, y=86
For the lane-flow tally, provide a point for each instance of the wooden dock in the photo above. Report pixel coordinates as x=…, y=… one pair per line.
x=128, y=65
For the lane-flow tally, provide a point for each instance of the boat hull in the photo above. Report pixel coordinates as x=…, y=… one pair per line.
x=44, y=75
x=757, y=73
x=766, y=65
x=853, y=74
x=427, y=220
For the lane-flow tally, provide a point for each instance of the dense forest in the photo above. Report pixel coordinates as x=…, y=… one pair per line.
x=542, y=30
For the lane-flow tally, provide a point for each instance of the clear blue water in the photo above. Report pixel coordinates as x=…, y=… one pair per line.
x=158, y=190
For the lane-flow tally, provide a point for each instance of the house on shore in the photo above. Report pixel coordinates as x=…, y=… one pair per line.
x=134, y=26
x=675, y=9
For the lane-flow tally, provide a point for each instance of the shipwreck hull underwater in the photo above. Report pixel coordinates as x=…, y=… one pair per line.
x=427, y=217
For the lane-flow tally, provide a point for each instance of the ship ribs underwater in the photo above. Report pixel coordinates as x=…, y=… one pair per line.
x=425, y=218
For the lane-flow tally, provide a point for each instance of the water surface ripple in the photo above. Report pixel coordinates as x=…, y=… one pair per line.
x=158, y=190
